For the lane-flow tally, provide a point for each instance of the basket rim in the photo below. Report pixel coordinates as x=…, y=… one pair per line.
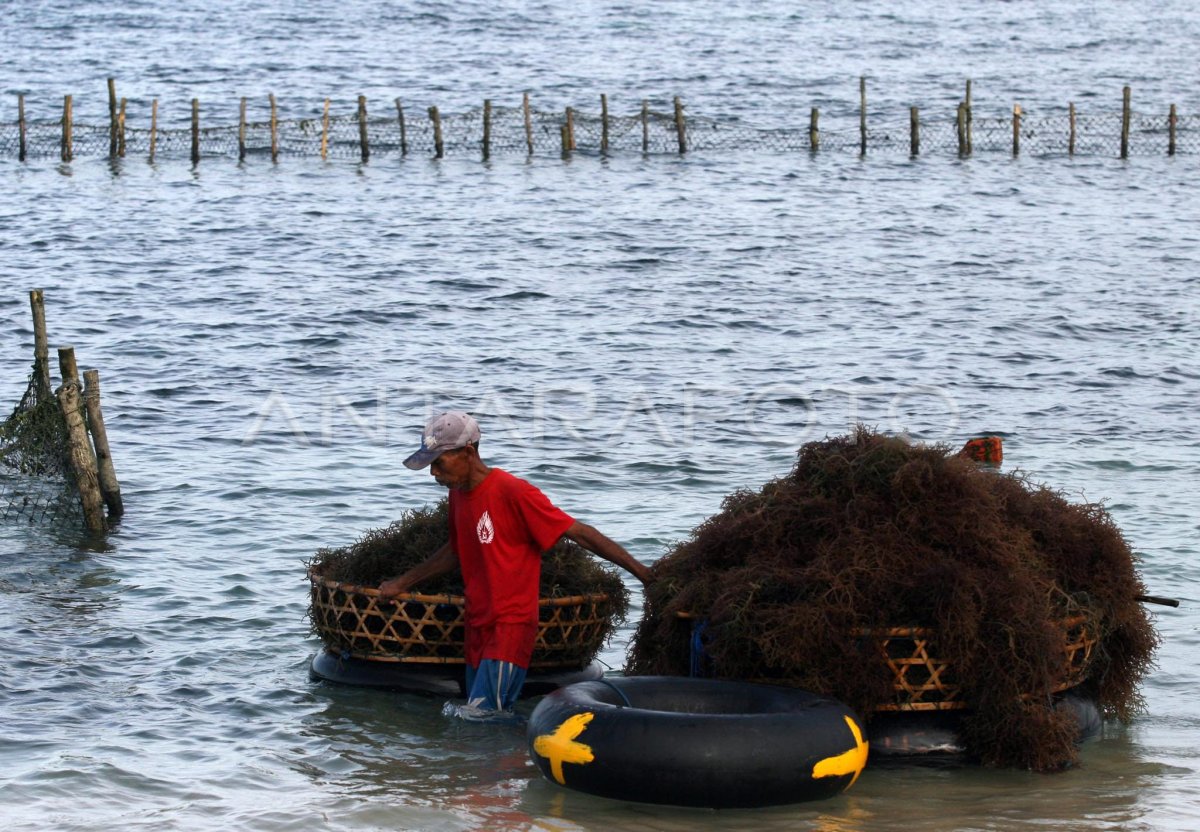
x=459, y=600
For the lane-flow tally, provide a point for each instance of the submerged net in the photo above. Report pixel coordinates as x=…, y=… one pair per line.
x=793, y=584
x=391, y=131
x=36, y=481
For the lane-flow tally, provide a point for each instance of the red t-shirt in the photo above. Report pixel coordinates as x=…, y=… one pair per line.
x=500, y=529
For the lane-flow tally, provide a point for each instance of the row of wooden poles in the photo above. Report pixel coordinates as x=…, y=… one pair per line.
x=117, y=121
x=89, y=455
x=964, y=121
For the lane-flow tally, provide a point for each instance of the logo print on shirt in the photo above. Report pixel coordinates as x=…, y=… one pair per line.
x=485, y=529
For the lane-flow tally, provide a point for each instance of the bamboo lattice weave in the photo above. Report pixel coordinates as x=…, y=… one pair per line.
x=430, y=629
x=924, y=682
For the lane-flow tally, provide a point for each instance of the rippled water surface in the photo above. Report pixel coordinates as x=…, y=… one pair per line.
x=639, y=335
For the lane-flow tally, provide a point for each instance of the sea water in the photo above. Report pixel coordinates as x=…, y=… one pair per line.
x=639, y=336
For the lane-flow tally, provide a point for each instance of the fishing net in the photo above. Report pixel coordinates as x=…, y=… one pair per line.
x=37, y=483
x=873, y=559
x=581, y=600
x=396, y=131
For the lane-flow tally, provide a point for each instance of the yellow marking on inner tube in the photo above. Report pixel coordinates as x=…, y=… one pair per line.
x=848, y=762
x=560, y=747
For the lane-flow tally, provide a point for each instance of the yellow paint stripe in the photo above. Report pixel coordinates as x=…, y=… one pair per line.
x=848, y=762
x=560, y=746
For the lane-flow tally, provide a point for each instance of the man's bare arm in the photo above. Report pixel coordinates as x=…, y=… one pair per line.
x=594, y=541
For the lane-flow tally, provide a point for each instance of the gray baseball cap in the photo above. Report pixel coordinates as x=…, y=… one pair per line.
x=445, y=432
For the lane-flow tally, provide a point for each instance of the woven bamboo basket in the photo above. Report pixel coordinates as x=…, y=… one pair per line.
x=922, y=681
x=429, y=629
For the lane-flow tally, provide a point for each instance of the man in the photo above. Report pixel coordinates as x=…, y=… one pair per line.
x=499, y=527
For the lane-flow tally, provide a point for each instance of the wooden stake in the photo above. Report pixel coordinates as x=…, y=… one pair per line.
x=110, y=489
x=970, y=119
x=1125, y=119
x=41, y=344
x=679, y=126
x=645, y=126
x=242, y=130
x=439, y=149
x=325, y=131
x=1172, y=119
x=528, y=123
x=565, y=134
x=274, y=128
x=570, y=128
x=914, y=130
x=112, y=117
x=121, y=130
x=961, y=122
x=195, y=131
x=83, y=464
x=21, y=130
x=603, y=123
x=814, y=136
x=862, y=115
x=1071, y=137
x=362, y=127
x=67, y=367
x=487, y=128
x=153, y=128
x=1016, y=129
x=403, y=131
x=67, y=149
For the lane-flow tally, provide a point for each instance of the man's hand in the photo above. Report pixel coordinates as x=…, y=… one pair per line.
x=390, y=589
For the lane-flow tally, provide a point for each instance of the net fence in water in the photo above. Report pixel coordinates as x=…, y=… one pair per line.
x=37, y=484
x=511, y=130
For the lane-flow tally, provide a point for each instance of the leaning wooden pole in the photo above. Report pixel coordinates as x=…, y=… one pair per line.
x=110, y=489
x=67, y=149
x=79, y=448
x=41, y=344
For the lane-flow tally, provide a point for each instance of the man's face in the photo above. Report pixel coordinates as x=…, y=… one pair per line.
x=453, y=468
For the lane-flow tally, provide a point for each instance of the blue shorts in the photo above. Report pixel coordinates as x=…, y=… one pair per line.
x=494, y=685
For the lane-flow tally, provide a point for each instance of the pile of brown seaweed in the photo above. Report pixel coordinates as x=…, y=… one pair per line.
x=870, y=532
x=567, y=569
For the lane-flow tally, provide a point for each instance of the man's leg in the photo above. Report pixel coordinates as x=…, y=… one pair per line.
x=494, y=685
